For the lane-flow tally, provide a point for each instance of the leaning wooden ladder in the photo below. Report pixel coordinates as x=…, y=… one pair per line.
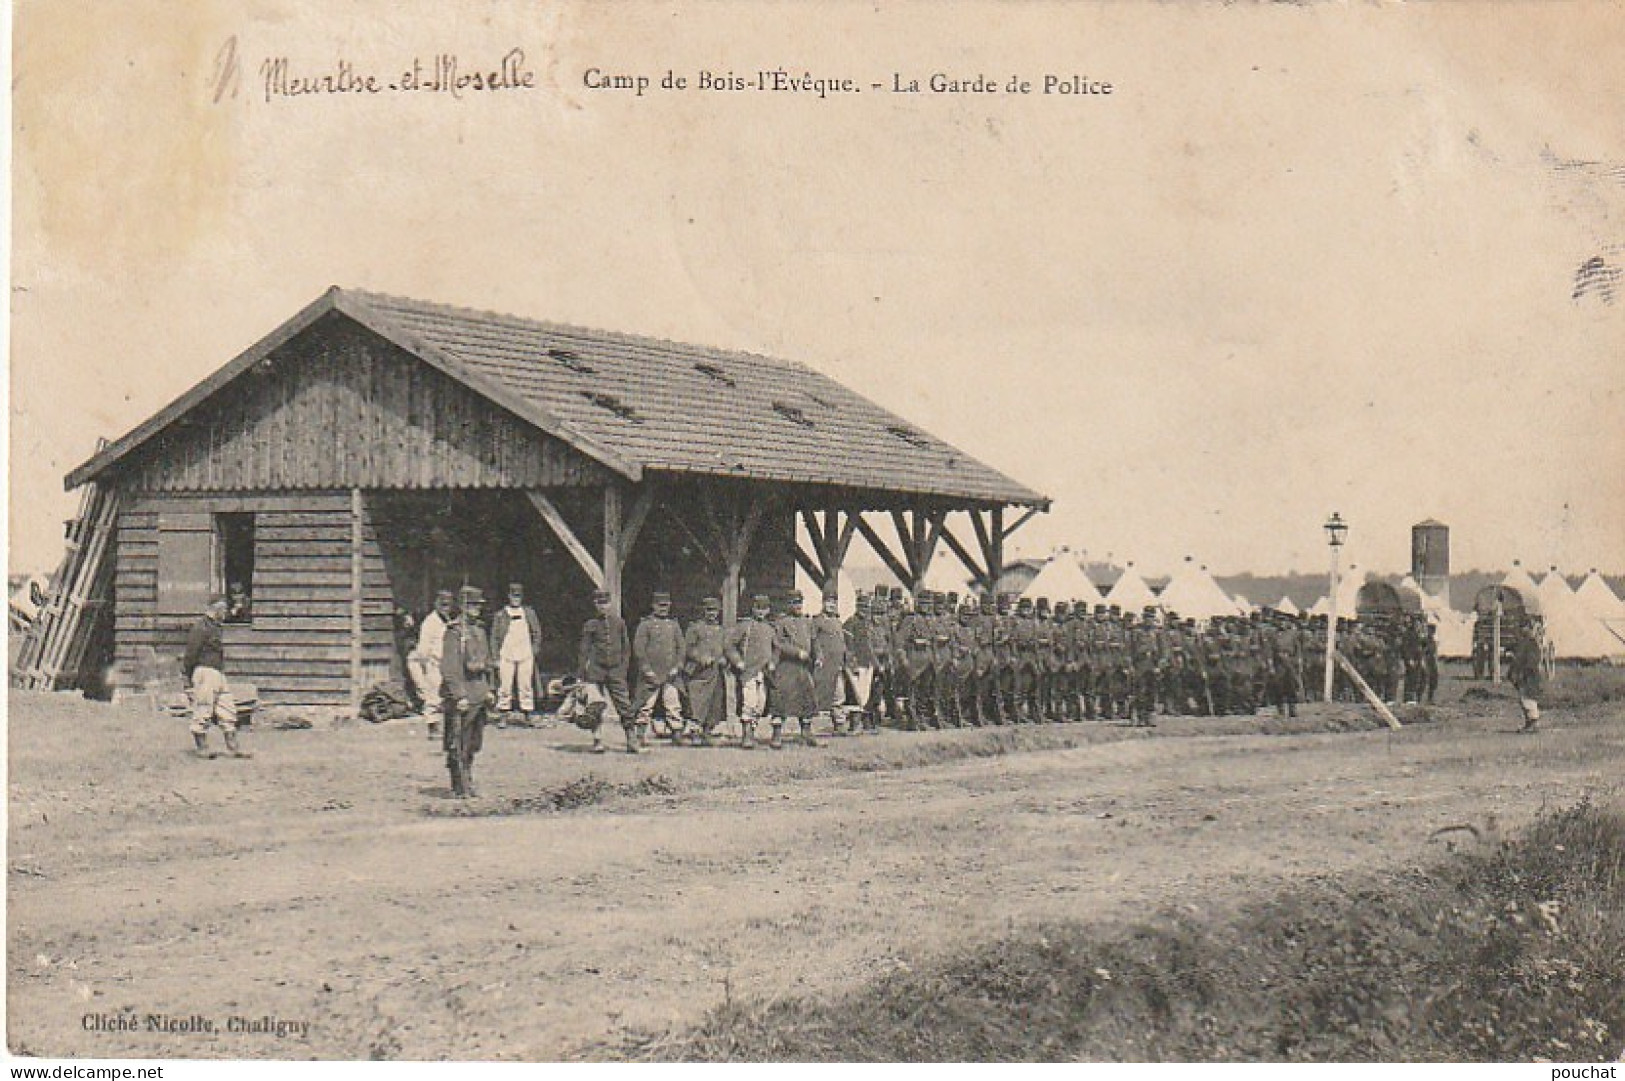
x=53, y=653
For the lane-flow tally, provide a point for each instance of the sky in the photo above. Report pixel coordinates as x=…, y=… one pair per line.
x=1304, y=258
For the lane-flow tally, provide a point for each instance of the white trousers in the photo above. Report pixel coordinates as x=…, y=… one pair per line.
x=425, y=675
x=211, y=701
x=666, y=695
x=520, y=674
x=753, y=699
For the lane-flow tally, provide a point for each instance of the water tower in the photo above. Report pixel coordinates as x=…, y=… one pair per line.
x=1430, y=558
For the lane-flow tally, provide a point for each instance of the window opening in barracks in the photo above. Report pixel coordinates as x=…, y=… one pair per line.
x=234, y=565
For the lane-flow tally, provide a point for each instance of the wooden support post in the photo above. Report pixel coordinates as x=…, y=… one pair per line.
x=356, y=608
x=636, y=515
x=992, y=537
x=613, y=520
x=734, y=532
x=572, y=544
x=930, y=533
x=1370, y=696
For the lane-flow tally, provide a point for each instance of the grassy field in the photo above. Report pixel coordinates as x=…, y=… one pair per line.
x=1507, y=952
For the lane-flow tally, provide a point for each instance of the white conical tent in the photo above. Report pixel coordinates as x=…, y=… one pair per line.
x=1130, y=593
x=1595, y=597
x=1348, y=595
x=1572, y=631
x=1286, y=607
x=1519, y=582
x=1062, y=579
x=1194, y=594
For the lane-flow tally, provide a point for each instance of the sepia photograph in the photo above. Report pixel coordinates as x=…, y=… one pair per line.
x=873, y=532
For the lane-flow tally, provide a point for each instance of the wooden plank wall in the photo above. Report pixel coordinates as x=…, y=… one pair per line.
x=340, y=407
x=297, y=650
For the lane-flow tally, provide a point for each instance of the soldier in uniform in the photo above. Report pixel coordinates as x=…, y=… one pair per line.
x=1171, y=666
x=1286, y=657
x=1004, y=661
x=984, y=670
x=704, y=672
x=1430, y=662
x=1023, y=647
x=1143, y=663
x=1088, y=634
x=790, y=681
x=1043, y=666
x=1063, y=689
x=916, y=639
x=602, y=662
x=1216, y=667
x=862, y=714
x=1525, y=672
x=962, y=702
x=657, y=646
x=882, y=633
x=465, y=672
x=829, y=663
x=750, y=654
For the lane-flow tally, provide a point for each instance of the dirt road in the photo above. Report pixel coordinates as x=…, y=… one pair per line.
x=324, y=883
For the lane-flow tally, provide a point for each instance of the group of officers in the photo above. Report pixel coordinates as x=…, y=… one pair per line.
x=938, y=660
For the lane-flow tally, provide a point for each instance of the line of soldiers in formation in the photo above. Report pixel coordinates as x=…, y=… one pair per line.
x=940, y=661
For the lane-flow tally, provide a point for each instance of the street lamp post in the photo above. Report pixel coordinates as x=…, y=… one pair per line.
x=1336, y=530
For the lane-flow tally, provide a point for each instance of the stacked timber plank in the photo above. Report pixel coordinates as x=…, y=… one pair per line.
x=80, y=605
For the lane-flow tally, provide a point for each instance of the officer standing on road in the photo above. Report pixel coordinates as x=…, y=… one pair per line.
x=465, y=671
x=603, y=659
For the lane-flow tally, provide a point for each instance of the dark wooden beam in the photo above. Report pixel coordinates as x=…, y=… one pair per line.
x=844, y=542
x=958, y=549
x=817, y=535
x=995, y=548
x=561, y=529
x=881, y=549
x=1023, y=520
x=982, y=540
x=707, y=550
x=810, y=564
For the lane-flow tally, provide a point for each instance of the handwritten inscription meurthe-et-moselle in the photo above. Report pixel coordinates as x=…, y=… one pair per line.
x=283, y=78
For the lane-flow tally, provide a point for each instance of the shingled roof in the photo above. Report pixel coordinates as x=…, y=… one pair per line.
x=639, y=404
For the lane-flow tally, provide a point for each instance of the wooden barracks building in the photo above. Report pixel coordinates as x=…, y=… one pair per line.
x=373, y=449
